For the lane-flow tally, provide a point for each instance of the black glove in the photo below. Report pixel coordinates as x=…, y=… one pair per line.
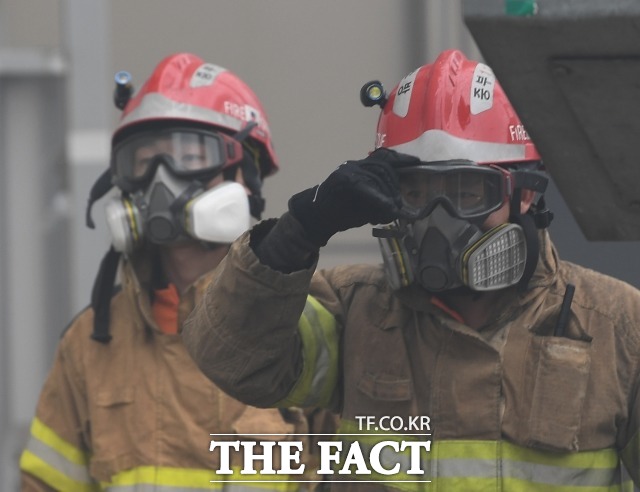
x=356, y=193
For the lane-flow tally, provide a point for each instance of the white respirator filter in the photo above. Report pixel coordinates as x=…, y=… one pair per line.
x=220, y=214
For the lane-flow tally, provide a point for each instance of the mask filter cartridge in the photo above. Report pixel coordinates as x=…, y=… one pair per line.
x=496, y=261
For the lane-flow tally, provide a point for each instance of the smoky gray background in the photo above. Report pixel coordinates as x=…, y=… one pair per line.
x=306, y=60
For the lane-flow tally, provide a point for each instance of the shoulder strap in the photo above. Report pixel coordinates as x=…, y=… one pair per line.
x=101, y=295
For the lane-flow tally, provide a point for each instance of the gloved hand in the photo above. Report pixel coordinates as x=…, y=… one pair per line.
x=356, y=193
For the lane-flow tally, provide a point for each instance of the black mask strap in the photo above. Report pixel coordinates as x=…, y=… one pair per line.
x=251, y=174
x=253, y=182
x=101, y=294
x=541, y=214
x=99, y=189
x=537, y=217
x=533, y=247
x=531, y=237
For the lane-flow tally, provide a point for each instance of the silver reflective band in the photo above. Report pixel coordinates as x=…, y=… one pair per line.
x=73, y=471
x=438, y=145
x=496, y=262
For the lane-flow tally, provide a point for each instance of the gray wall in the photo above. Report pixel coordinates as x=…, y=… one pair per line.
x=305, y=59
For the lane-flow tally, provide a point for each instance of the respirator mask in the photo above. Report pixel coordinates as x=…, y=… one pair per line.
x=165, y=199
x=439, y=243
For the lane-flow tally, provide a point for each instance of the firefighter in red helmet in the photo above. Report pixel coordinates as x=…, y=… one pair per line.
x=124, y=406
x=525, y=367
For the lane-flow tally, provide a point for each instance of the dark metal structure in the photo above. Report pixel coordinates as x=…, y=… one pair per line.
x=572, y=70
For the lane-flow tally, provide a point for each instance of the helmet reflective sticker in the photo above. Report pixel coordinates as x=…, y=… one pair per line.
x=205, y=75
x=438, y=145
x=472, y=120
x=482, y=89
x=403, y=95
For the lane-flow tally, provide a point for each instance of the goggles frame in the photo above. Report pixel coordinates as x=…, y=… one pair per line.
x=502, y=178
x=229, y=150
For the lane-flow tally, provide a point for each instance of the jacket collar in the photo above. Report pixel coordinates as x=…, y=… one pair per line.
x=141, y=276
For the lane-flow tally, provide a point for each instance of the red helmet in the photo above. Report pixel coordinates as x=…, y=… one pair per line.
x=454, y=108
x=185, y=88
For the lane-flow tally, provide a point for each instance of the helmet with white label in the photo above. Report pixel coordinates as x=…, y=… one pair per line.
x=190, y=123
x=186, y=90
x=454, y=108
x=475, y=158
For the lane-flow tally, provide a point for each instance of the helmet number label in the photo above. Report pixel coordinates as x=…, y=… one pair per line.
x=403, y=94
x=482, y=89
x=205, y=75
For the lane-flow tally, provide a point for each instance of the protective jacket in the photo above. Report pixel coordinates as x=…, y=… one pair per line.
x=137, y=414
x=510, y=406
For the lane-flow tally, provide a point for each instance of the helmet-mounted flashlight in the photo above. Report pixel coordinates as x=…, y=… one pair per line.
x=372, y=93
x=123, y=90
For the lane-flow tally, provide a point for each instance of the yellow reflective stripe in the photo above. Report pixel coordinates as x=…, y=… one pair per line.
x=48, y=436
x=462, y=465
x=604, y=458
x=163, y=476
x=508, y=484
x=223, y=487
x=55, y=461
x=317, y=382
x=165, y=479
x=53, y=477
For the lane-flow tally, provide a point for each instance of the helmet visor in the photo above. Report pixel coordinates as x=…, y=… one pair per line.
x=468, y=190
x=189, y=153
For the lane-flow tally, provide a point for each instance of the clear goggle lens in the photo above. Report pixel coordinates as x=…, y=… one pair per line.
x=189, y=153
x=467, y=190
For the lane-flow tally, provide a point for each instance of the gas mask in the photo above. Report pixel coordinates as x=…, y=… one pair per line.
x=164, y=199
x=172, y=210
x=440, y=245
x=442, y=252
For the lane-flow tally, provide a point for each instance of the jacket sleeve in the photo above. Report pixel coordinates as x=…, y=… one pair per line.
x=29, y=483
x=631, y=451
x=261, y=337
x=629, y=366
x=56, y=456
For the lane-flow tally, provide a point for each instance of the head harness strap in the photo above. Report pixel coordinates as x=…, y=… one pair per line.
x=99, y=189
x=251, y=174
